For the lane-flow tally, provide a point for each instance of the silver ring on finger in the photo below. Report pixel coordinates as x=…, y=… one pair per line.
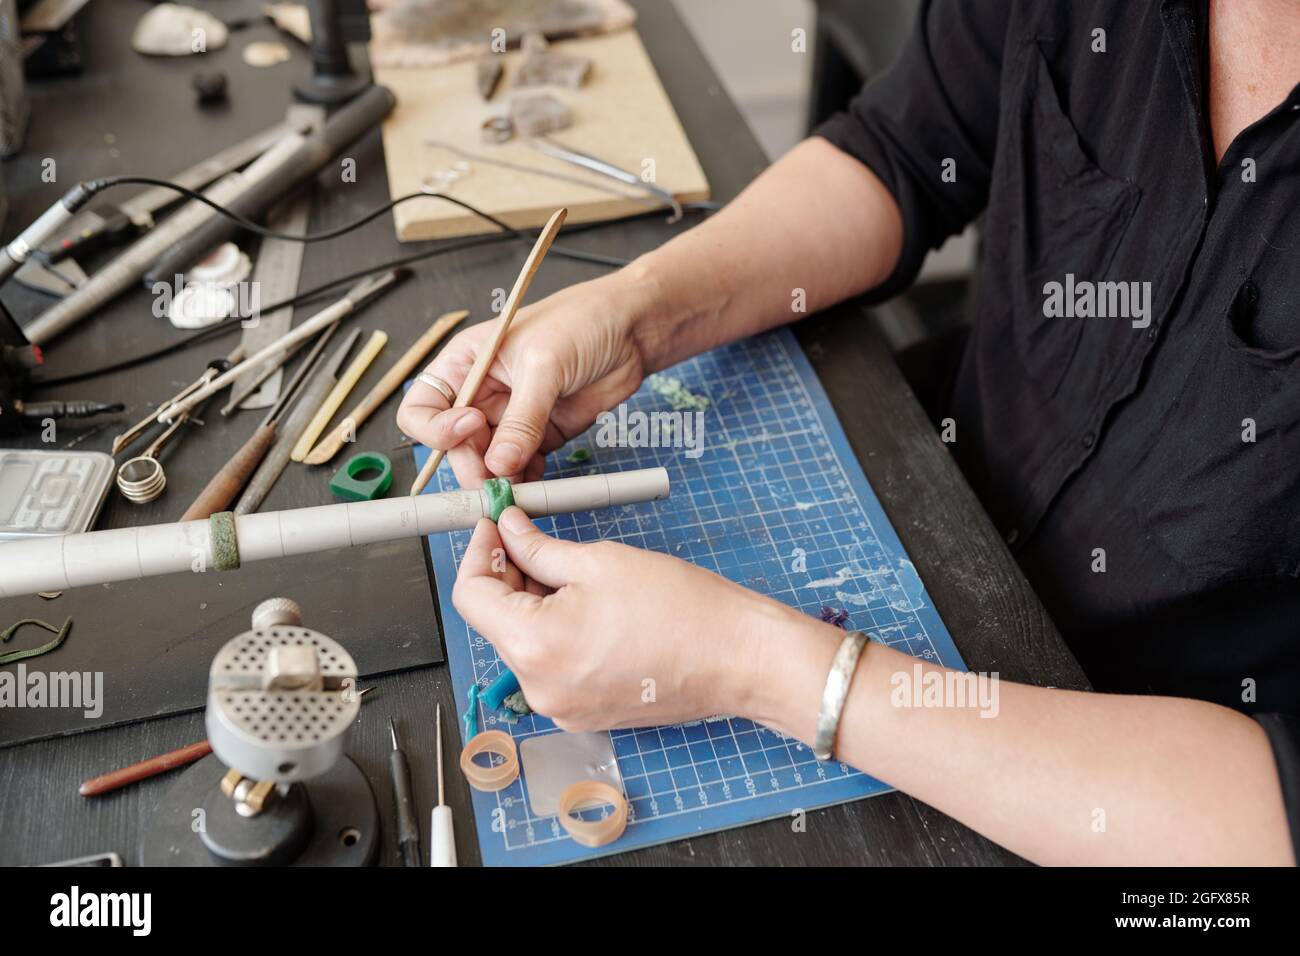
x=438, y=384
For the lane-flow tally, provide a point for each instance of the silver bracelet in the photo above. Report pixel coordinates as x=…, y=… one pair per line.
x=837, y=692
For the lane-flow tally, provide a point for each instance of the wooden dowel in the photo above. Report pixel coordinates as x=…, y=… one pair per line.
x=478, y=371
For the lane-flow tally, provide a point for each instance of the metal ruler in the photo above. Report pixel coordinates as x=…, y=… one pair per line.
x=276, y=274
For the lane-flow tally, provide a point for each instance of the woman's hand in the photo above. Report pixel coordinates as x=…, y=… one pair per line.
x=566, y=359
x=604, y=635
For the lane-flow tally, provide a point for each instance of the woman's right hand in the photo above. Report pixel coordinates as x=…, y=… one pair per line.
x=566, y=359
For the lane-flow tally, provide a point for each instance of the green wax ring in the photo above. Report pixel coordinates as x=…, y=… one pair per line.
x=499, y=494
x=346, y=485
x=225, y=546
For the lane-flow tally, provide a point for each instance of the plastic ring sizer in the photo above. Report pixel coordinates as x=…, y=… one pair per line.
x=346, y=485
x=584, y=794
x=497, y=776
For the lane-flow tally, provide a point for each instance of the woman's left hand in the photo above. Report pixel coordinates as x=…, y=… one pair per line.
x=604, y=635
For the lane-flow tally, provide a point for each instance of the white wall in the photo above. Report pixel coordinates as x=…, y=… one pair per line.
x=748, y=43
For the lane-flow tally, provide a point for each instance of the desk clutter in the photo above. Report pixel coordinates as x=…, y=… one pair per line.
x=223, y=257
x=558, y=123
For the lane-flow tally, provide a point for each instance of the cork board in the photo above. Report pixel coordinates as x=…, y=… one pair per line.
x=621, y=115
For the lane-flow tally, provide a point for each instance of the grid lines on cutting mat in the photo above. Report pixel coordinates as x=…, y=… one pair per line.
x=776, y=502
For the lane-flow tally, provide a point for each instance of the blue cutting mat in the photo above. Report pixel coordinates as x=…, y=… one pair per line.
x=776, y=502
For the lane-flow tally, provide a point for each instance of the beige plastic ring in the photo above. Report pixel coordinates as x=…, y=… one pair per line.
x=497, y=777
x=586, y=793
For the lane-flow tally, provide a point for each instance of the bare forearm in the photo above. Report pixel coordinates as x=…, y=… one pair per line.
x=1056, y=776
x=815, y=228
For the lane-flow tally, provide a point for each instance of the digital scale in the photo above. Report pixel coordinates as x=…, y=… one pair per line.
x=46, y=493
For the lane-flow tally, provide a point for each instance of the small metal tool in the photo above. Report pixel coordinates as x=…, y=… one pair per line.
x=142, y=479
x=139, y=428
x=144, y=769
x=598, y=165
x=583, y=181
x=358, y=296
x=257, y=381
x=408, y=831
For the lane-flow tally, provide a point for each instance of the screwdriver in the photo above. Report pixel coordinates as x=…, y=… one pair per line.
x=408, y=832
x=442, y=839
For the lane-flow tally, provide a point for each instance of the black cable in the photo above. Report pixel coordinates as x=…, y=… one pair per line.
x=259, y=230
x=228, y=325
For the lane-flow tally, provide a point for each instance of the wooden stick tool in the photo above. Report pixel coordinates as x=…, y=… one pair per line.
x=402, y=369
x=342, y=389
x=478, y=371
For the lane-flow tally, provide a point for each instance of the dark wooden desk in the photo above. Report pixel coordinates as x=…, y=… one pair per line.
x=994, y=617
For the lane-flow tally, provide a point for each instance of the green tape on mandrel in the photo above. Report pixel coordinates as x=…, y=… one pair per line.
x=225, y=546
x=500, y=496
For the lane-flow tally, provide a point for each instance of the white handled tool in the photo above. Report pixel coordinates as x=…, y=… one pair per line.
x=442, y=838
x=223, y=542
x=360, y=294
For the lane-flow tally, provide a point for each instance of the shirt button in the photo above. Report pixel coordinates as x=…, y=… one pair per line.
x=1013, y=536
x=1089, y=440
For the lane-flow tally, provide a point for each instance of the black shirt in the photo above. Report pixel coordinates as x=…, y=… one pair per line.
x=1141, y=457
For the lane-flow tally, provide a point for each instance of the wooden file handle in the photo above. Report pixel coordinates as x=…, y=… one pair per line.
x=226, y=484
x=145, y=769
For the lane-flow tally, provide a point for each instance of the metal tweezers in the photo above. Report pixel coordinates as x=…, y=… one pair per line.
x=597, y=165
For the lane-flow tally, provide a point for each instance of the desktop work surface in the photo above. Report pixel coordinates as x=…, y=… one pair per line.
x=995, y=621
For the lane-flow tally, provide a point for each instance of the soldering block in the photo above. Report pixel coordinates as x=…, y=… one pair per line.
x=500, y=496
x=225, y=545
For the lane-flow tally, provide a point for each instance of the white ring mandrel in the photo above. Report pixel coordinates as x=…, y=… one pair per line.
x=124, y=554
